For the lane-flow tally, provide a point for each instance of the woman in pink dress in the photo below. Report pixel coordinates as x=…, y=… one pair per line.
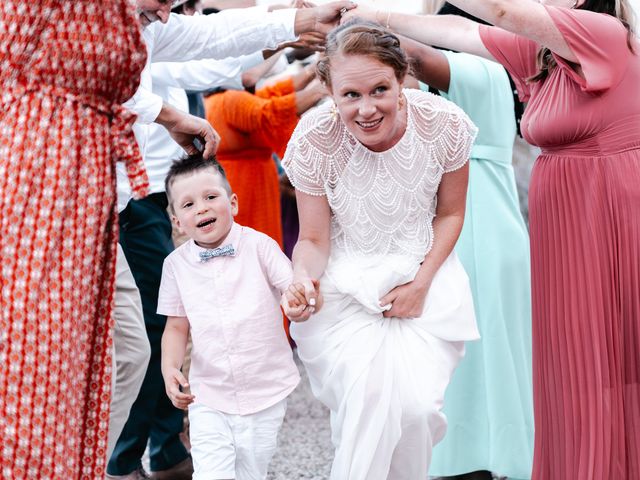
x=576, y=63
x=65, y=68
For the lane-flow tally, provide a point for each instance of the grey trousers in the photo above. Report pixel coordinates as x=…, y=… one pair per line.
x=131, y=350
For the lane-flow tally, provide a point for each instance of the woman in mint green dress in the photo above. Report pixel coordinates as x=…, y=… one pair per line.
x=489, y=402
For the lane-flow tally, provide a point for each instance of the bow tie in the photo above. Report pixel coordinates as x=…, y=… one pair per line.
x=225, y=251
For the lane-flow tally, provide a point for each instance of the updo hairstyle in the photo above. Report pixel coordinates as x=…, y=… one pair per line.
x=359, y=37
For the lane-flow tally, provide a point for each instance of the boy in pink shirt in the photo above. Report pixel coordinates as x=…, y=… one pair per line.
x=224, y=285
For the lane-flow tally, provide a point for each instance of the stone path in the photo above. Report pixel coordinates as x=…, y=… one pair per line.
x=304, y=444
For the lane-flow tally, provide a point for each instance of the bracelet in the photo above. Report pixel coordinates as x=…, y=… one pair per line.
x=388, y=17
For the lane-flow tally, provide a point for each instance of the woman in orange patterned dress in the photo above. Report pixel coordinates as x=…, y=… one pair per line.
x=65, y=68
x=252, y=128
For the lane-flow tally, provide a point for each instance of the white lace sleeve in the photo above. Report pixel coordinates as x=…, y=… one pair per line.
x=448, y=127
x=307, y=160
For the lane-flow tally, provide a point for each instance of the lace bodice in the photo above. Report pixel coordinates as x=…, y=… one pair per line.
x=381, y=202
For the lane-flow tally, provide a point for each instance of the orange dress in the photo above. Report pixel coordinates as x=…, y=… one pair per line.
x=65, y=68
x=252, y=128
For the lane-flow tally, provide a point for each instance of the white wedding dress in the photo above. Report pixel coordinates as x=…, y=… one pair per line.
x=383, y=378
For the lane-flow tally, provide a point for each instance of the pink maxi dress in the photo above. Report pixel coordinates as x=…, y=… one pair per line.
x=584, y=204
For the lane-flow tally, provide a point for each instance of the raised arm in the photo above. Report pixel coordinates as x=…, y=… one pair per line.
x=446, y=31
x=429, y=64
x=235, y=32
x=528, y=18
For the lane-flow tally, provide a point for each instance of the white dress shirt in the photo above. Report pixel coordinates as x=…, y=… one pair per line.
x=233, y=32
x=170, y=79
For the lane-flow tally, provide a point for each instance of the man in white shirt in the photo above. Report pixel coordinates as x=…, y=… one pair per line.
x=179, y=38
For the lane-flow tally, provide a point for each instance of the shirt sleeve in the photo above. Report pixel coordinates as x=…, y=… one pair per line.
x=145, y=104
x=517, y=54
x=309, y=153
x=204, y=74
x=229, y=33
x=444, y=125
x=276, y=264
x=599, y=41
x=169, y=299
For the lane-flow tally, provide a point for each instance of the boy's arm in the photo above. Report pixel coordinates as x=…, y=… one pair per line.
x=174, y=346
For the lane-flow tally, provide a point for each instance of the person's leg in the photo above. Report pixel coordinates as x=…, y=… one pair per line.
x=212, y=444
x=145, y=236
x=131, y=349
x=256, y=438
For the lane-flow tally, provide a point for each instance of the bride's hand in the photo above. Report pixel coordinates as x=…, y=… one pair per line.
x=407, y=301
x=302, y=299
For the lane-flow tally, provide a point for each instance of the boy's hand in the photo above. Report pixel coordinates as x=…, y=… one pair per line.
x=173, y=381
x=301, y=300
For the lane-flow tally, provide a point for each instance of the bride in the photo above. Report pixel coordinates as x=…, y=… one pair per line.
x=380, y=178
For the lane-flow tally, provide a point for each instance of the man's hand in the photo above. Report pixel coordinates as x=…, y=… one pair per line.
x=185, y=129
x=365, y=13
x=311, y=41
x=321, y=18
x=172, y=382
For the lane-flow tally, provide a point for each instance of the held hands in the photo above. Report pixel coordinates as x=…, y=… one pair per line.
x=172, y=382
x=328, y=15
x=365, y=13
x=302, y=299
x=407, y=301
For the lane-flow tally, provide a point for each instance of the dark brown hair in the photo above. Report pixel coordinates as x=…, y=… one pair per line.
x=359, y=37
x=619, y=9
x=188, y=165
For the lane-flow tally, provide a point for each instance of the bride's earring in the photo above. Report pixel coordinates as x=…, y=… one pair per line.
x=334, y=110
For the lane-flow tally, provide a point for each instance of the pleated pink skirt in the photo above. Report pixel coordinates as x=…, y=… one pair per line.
x=585, y=258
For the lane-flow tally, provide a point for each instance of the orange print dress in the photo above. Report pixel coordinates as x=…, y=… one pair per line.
x=252, y=128
x=65, y=68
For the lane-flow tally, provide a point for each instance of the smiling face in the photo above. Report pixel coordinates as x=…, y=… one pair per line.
x=202, y=207
x=150, y=11
x=367, y=94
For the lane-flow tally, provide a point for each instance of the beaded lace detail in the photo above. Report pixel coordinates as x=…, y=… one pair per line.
x=381, y=202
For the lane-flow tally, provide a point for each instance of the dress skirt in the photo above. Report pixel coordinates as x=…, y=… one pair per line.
x=585, y=239
x=384, y=378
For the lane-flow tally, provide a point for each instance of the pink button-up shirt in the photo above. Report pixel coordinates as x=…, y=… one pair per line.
x=241, y=361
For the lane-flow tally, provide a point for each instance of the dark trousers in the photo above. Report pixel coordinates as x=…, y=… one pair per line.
x=145, y=236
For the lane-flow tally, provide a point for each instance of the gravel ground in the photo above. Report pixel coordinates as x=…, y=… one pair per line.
x=304, y=444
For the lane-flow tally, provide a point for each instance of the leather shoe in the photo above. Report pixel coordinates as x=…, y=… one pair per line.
x=181, y=471
x=138, y=474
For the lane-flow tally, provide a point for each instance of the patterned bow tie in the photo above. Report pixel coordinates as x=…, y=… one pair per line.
x=225, y=251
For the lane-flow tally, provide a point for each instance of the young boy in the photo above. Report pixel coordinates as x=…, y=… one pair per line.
x=224, y=284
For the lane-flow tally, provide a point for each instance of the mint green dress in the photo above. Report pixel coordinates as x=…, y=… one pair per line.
x=489, y=402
